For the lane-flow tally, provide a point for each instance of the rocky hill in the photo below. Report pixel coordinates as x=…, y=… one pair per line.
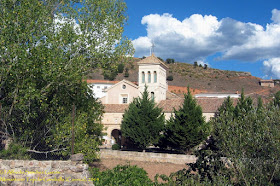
x=200, y=79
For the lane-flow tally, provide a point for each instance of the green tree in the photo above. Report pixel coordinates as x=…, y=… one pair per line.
x=143, y=121
x=46, y=50
x=243, y=150
x=187, y=127
x=250, y=140
x=169, y=61
x=244, y=105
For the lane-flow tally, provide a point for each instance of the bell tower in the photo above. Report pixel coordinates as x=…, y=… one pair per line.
x=152, y=73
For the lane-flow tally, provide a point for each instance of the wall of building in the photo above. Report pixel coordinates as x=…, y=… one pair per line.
x=113, y=121
x=98, y=89
x=26, y=172
x=267, y=84
x=115, y=93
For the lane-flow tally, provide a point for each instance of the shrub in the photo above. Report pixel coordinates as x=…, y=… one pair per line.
x=116, y=147
x=121, y=175
x=169, y=78
x=15, y=151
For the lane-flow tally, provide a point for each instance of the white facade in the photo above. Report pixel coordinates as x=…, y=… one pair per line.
x=98, y=89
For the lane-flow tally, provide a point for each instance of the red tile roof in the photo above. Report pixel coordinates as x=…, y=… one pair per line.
x=208, y=105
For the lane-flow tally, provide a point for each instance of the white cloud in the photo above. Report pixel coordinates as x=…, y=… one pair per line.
x=198, y=36
x=275, y=16
x=272, y=68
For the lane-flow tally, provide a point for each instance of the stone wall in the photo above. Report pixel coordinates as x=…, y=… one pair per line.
x=33, y=172
x=148, y=156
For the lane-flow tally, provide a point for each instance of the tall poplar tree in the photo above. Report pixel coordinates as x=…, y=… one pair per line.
x=143, y=121
x=47, y=49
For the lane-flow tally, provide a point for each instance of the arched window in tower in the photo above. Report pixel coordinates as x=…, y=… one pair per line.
x=143, y=77
x=155, y=76
x=153, y=96
x=149, y=77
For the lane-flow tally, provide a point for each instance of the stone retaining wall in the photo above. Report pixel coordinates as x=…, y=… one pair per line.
x=25, y=173
x=148, y=156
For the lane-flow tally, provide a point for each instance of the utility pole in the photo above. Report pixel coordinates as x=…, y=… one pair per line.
x=73, y=131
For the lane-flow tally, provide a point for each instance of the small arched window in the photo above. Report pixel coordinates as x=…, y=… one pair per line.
x=143, y=77
x=155, y=76
x=149, y=77
x=153, y=96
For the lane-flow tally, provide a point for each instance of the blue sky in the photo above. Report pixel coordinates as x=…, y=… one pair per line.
x=241, y=35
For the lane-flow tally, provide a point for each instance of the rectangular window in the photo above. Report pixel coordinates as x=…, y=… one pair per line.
x=124, y=100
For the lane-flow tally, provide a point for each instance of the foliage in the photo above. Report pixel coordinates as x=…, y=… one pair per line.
x=187, y=127
x=110, y=74
x=120, y=68
x=243, y=150
x=122, y=175
x=169, y=78
x=87, y=134
x=169, y=61
x=249, y=138
x=160, y=59
x=15, y=151
x=243, y=106
x=44, y=64
x=143, y=121
x=276, y=100
x=126, y=73
x=116, y=146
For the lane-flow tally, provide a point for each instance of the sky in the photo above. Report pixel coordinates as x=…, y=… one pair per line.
x=239, y=35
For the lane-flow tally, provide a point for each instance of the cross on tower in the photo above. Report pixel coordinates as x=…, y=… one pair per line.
x=152, y=48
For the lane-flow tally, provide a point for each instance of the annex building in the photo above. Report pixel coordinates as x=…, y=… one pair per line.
x=116, y=96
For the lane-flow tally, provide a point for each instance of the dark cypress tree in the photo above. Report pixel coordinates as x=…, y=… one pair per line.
x=143, y=122
x=187, y=127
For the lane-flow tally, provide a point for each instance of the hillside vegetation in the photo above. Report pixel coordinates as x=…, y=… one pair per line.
x=199, y=79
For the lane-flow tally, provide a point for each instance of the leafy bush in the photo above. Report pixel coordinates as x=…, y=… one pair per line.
x=15, y=151
x=116, y=147
x=169, y=78
x=121, y=175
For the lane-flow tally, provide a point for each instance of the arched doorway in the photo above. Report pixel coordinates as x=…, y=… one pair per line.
x=116, y=135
